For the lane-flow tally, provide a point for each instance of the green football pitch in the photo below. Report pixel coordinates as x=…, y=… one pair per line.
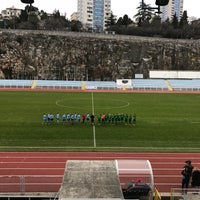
x=165, y=122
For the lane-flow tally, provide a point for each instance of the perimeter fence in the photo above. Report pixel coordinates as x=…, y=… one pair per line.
x=185, y=194
x=137, y=85
x=30, y=184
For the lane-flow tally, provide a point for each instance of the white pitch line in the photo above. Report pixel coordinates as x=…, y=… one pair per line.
x=91, y=147
x=93, y=126
x=94, y=136
x=92, y=103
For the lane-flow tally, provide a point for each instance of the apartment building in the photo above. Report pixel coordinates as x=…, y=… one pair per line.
x=94, y=13
x=174, y=7
x=74, y=16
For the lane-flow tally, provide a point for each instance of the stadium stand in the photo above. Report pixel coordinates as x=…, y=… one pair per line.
x=149, y=84
x=137, y=84
x=58, y=84
x=6, y=83
x=193, y=84
x=101, y=84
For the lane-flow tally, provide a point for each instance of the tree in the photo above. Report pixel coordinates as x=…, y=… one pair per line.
x=187, y=31
x=119, y=21
x=76, y=26
x=43, y=15
x=30, y=8
x=196, y=28
x=111, y=21
x=156, y=21
x=56, y=22
x=175, y=21
x=184, y=20
x=56, y=14
x=23, y=16
x=144, y=14
x=126, y=20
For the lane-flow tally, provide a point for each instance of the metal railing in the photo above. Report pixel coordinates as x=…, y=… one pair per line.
x=30, y=184
x=185, y=194
x=69, y=87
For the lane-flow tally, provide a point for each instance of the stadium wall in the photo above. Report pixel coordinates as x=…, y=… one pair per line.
x=175, y=74
x=47, y=55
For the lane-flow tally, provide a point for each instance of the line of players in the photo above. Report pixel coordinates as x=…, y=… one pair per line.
x=117, y=118
x=89, y=118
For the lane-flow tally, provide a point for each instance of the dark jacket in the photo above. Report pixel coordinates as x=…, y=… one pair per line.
x=195, y=178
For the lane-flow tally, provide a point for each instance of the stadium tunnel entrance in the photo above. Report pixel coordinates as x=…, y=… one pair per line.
x=110, y=179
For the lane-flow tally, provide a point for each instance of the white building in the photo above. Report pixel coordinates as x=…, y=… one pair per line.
x=93, y=14
x=74, y=16
x=9, y=13
x=174, y=7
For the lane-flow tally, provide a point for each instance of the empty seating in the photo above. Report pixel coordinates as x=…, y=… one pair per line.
x=13, y=83
x=137, y=84
x=147, y=84
x=193, y=84
x=58, y=84
x=100, y=85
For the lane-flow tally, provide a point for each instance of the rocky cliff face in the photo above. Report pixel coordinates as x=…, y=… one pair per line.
x=80, y=56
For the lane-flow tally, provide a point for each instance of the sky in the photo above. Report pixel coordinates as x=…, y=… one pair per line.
x=118, y=7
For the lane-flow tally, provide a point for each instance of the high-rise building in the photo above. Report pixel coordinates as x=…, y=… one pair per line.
x=173, y=7
x=93, y=14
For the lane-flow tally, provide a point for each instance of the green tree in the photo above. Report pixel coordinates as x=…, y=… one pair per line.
x=111, y=21
x=119, y=21
x=186, y=30
x=195, y=26
x=29, y=8
x=126, y=21
x=156, y=21
x=76, y=26
x=56, y=14
x=175, y=21
x=56, y=22
x=144, y=14
x=23, y=16
x=184, y=20
x=43, y=15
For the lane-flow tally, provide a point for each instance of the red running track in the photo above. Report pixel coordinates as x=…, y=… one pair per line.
x=43, y=171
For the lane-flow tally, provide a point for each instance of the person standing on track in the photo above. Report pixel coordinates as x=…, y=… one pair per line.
x=189, y=167
x=195, y=178
x=186, y=174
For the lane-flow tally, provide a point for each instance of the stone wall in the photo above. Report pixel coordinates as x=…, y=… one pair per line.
x=88, y=56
